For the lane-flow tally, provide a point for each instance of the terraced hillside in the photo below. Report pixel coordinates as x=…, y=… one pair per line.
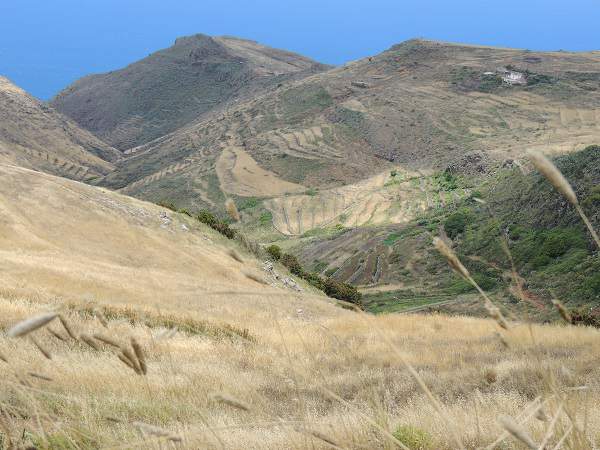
x=123, y=325
x=36, y=136
x=419, y=107
x=174, y=86
x=398, y=268
x=391, y=197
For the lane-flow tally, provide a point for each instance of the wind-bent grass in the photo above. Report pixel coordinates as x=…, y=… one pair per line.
x=230, y=363
x=344, y=355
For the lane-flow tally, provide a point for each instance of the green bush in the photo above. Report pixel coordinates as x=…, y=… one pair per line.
x=292, y=264
x=274, y=252
x=413, y=437
x=167, y=204
x=314, y=279
x=457, y=222
x=208, y=218
x=265, y=218
x=341, y=291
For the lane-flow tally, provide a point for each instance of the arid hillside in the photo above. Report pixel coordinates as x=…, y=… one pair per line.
x=79, y=242
x=171, y=87
x=418, y=108
x=36, y=136
x=169, y=335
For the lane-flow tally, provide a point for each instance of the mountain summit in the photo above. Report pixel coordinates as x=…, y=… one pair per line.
x=171, y=87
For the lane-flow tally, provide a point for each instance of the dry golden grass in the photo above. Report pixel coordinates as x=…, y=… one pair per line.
x=231, y=363
x=287, y=376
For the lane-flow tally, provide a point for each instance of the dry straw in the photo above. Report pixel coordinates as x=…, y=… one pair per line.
x=255, y=277
x=458, y=267
x=517, y=431
x=232, y=210
x=320, y=436
x=89, y=341
x=40, y=376
x=139, y=353
x=564, y=313
x=106, y=340
x=67, y=327
x=39, y=346
x=221, y=397
x=27, y=326
x=235, y=255
x=153, y=430
x=134, y=363
x=56, y=334
x=554, y=176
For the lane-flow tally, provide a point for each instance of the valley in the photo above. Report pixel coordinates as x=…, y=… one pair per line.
x=227, y=245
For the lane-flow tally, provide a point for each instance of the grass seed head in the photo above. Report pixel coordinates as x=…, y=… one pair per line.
x=67, y=327
x=39, y=346
x=27, y=326
x=496, y=314
x=127, y=353
x=89, y=341
x=255, y=277
x=564, y=313
x=125, y=360
x=235, y=255
x=56, y=334
x=106, y=340
x=40, y=376
x=232, y=210
x=451, y=257
x=139, y=353
x=516, y=431
x=153, y=430
x=553, y=175
x=229, y=400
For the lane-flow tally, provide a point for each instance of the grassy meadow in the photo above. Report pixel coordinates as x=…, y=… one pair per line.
x=159, y=333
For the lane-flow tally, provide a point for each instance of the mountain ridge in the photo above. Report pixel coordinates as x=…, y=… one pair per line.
x=34, y=135
x=158, y=94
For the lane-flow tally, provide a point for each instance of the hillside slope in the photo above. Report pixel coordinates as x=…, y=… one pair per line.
x=36, y=136
x=232, y=363
x=551, y=247
x=174, y=86
x=72, y=241
x=419, y=107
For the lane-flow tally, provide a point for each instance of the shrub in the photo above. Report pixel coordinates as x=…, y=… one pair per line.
x=293, y=265
x=274, y=252
x=315, y=280
x=341, y=291
x=558, y=241
x=168, y=205
x=457, y=222
x=209, y=219
x=585, y=317
x=413, y=437
x=265, y=218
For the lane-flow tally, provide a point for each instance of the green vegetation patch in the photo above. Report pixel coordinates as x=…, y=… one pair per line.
x=299, y=101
